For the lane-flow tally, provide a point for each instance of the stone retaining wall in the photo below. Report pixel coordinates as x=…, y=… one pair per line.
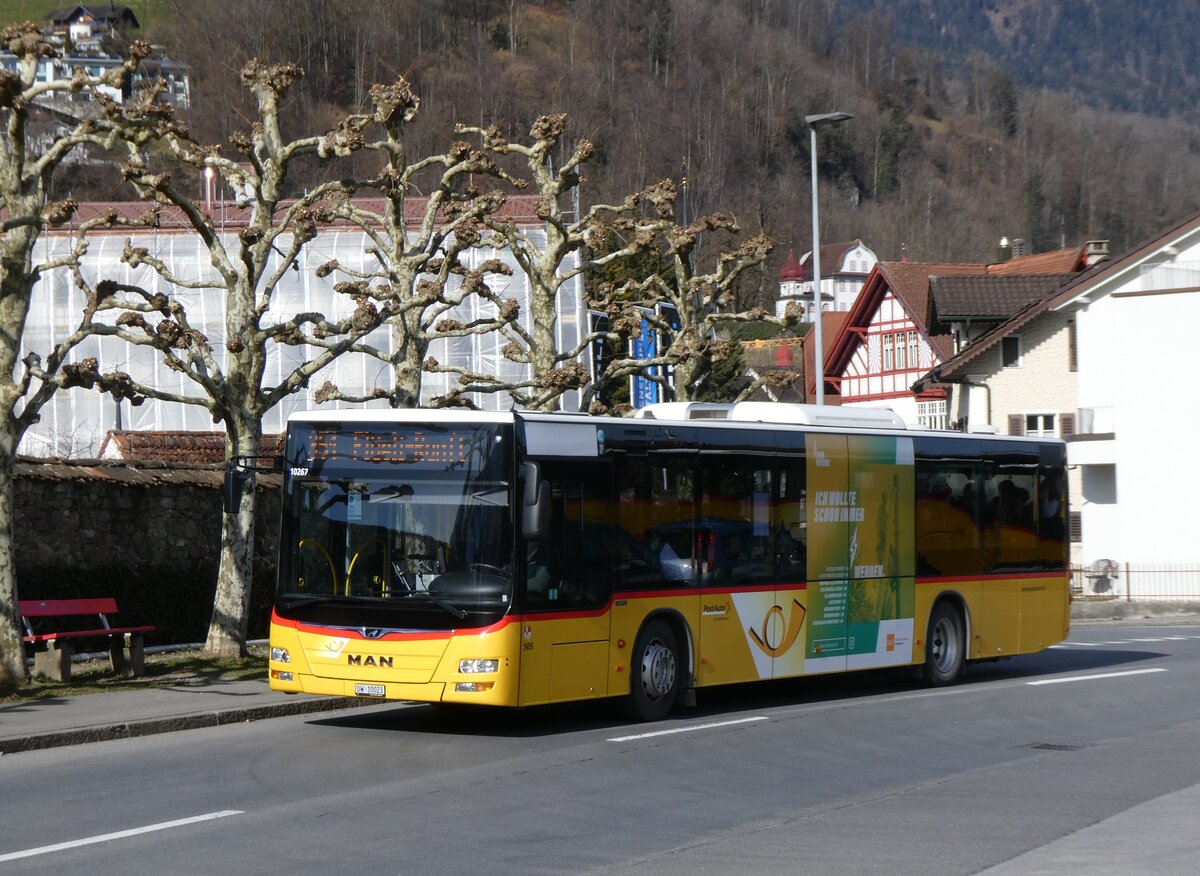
x=148, y=534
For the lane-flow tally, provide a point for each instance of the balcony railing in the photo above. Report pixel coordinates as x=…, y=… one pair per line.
x=1097, y=421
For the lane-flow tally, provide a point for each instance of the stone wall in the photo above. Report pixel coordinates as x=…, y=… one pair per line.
x=148, y=534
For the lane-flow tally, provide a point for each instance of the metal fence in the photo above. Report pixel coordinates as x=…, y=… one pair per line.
x=1130, y=581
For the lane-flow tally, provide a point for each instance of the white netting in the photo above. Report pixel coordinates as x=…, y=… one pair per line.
x=75, y=422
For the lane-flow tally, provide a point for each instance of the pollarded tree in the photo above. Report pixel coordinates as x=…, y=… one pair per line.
x=26, y=210
x=545, y=264
x=418, y=273
x=247, y=269
x=702, y=301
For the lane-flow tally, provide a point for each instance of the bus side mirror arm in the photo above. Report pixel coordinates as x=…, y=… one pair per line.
x=535, y=505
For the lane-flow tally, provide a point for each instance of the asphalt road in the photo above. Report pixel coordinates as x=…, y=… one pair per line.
x=1083, y=759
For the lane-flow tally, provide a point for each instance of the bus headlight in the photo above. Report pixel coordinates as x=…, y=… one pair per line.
x=474, y=686
x=473, y=666
x=280, y=655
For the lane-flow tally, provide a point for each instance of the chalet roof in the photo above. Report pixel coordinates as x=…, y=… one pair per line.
x=990, y=297
x=832, y=256
x=190, y=448
x=909, y=281
x=521, y=209
x=1061, y=261
x=109, y=14
x=1074, y=286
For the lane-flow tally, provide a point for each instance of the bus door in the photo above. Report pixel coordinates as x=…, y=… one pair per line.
x=567, y=585
x=739, y=617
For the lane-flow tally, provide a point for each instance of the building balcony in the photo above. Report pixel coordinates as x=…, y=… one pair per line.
x=1095, y=438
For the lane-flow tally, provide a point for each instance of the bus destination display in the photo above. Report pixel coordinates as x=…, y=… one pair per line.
x=402, y=447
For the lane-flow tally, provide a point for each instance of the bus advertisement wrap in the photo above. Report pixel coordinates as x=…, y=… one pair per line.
x=860, y=560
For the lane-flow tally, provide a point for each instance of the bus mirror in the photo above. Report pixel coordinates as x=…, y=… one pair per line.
x=535, y=507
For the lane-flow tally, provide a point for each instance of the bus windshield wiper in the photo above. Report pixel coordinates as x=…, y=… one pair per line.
x=445, y=606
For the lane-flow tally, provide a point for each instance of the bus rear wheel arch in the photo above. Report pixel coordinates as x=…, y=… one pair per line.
x=656, y=672
x=945, y=645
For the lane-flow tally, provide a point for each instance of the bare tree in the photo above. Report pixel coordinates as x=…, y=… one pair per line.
x=418, y=272
x=247, y=268
x=26, y=177
x=702, y=301
x=552, y=371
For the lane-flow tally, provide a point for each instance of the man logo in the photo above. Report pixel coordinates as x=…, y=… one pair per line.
x=369, y=660
x=770, y=642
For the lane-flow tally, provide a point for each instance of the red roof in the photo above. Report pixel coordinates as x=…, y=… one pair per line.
x=227, y=214
x=792, y=270
x=204, y=448
x=1062, y=261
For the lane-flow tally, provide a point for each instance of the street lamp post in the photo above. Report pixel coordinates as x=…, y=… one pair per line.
x=813, y=123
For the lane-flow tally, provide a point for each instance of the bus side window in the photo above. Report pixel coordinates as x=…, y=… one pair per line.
x=656, y=508
x=572, y=566
x=789, y=521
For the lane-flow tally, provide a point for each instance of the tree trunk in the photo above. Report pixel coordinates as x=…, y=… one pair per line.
x=15, y=292
x=407, y=359
x=543, y=355
x=231, y=607
x=12, y=652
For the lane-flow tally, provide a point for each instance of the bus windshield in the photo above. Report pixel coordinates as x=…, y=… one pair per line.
x=396, y=514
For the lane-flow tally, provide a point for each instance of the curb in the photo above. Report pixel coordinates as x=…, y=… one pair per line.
x=153, y=726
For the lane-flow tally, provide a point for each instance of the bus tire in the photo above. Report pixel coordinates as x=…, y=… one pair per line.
x=945, y=646
x=655, y=673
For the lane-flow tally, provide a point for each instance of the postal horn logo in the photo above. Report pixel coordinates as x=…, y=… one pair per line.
x=770, y=642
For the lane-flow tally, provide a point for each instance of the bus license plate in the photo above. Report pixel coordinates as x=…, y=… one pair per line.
x=368, y=690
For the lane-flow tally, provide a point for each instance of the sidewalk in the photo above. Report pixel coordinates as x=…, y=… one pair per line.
x=27, y=726
x=49, y=723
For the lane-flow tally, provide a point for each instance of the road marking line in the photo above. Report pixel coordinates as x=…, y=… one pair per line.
x=120, y=834
x=688, y=729
x=1093, y=677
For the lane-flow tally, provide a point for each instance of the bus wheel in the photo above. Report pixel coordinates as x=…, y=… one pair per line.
x=654, y=673
x=944, y=646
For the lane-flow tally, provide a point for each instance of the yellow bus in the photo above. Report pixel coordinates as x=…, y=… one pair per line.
x=517, y=558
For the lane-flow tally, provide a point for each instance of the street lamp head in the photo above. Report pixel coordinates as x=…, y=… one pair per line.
x=827, y=119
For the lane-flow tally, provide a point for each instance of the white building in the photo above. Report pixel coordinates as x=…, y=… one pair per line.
x=844, y=270
x=1095, y=363
x=75, y=422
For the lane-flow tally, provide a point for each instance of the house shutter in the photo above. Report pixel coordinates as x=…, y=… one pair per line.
x=1068, y=424
x=1076, y=527
x=1016, y=424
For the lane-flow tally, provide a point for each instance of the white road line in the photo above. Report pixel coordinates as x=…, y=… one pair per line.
x=687, y=729
x=120, y=834
x=1093, y=677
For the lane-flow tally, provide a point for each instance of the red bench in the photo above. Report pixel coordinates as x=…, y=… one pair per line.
x=78, y=619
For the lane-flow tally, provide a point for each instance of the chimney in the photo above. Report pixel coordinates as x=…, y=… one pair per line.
x=1095, y=251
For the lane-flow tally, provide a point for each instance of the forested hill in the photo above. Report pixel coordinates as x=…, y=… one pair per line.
x=973, y=120
x=1141, y=57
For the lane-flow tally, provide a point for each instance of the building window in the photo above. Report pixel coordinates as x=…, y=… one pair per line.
x=932, y=414
x=900, y=360
x=912, y=350
x=889, y=358
x=1072, y=349
x=1010, y=352
x=1041, y=424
